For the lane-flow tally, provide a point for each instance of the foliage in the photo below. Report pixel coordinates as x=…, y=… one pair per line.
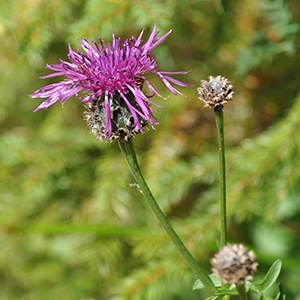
x=73, y=224
x=258, y=288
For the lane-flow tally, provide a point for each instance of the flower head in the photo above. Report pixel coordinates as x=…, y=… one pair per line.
x=109, y=81
x=215, y=92
x=234, y=264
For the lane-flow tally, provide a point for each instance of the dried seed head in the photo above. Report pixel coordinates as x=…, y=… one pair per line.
x=215, y=92
x=121, y=120
x=234, y=264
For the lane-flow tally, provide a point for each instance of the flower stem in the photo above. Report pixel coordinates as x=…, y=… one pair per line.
x=242, y=292
x=128, y=151
x=220, y=128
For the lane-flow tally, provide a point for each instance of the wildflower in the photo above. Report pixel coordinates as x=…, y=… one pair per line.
x=215, y=92
x=109, y=81
x=234, y=264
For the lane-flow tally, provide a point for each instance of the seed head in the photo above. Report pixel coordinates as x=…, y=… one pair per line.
x=215, y=92
x=234, y=264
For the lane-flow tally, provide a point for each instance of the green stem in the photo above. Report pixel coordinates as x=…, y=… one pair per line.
x=220, y=128
x=242, y=292
x=129, y=154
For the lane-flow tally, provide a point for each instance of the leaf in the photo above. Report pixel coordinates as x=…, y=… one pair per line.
x=270, y=278
x=281, y=294
x=226, y=292
x=198, y=285
x=217, y=298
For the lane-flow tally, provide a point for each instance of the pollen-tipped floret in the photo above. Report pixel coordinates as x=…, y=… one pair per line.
x=234, y=264
x=109, y=81
x=215, y=92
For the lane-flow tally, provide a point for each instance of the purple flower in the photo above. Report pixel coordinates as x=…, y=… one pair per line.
x=109, y=82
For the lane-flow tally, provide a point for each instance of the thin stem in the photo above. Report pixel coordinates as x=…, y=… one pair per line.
x=242, y=292
x=220, y=128
x=129, y=154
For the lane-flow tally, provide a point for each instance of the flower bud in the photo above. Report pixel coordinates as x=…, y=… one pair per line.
x=215, y=92
x=234, y=264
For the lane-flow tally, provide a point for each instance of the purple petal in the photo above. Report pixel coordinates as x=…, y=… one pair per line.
x=108, y=117
x=104, y=71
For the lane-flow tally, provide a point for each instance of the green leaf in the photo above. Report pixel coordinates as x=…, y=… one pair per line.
x=270, y=278
x=281, y=294
x=266, y=297
x=227, y=292
x=217, y=298
x=198, y=285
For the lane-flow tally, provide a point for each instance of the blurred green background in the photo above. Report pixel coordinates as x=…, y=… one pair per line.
x=73, y=226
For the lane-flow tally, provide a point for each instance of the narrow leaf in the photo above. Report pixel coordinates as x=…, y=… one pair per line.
x=227, y=292
x=270, y=278
x=281, y=294
x=198, y=285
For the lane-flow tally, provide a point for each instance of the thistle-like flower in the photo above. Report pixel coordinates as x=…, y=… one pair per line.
x=234, y=264
x=215, y=92
x=109, y=81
